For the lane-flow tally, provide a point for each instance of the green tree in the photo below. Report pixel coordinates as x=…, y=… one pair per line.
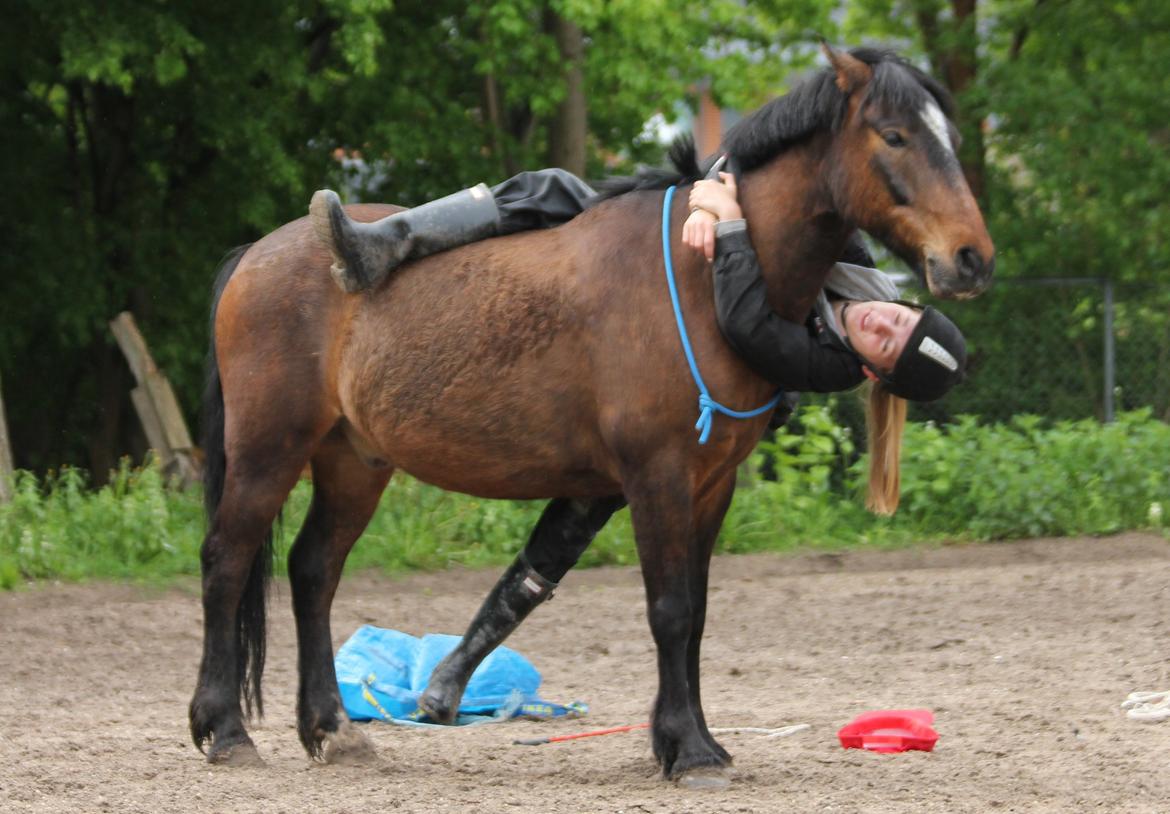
x=1082, y=138
x=144, y=140
x=141, y=141
x=1079, y=151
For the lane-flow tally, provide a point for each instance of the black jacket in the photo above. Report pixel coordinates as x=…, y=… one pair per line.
x=806, y=357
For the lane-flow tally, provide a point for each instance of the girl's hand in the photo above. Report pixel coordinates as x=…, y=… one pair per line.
x=699, y=232
x=717, y=198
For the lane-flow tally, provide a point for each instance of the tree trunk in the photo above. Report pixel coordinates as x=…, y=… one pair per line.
x=497, y=145
x=566, y=140
x=104, y=436
x=5, y=457
x=960, y=77
x=954, y=59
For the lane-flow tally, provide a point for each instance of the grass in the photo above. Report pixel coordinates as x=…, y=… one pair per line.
x=968, y=481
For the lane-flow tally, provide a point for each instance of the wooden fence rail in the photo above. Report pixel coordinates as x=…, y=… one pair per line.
x=154, y=401
x=5, y=456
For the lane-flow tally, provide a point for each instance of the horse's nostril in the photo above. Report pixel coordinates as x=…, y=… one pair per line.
x=970, y=264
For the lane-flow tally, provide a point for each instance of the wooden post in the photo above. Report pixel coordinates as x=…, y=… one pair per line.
x=5, y=457
x=154, y=401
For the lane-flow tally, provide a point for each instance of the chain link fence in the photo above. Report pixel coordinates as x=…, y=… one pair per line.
x=1062, y=348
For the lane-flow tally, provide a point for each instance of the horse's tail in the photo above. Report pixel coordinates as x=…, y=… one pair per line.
x=215, y=458
x=250, y=626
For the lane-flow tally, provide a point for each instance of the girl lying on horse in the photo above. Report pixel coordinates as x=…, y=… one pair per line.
x=859, y=329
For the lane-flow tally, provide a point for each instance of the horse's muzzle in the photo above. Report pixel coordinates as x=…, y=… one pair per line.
x=967, y=274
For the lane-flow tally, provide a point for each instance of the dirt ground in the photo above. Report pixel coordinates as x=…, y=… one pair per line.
x=1024, y=651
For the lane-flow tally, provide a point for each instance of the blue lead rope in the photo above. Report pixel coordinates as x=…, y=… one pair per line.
x=707, y=405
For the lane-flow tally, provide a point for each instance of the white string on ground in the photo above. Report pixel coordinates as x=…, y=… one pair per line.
x=1148, y=707
x=780, y=732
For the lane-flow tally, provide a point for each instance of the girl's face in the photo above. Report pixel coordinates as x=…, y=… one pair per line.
x=879, y=330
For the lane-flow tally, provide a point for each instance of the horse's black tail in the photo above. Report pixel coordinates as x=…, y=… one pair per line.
x=215, y=457
x=250, y=625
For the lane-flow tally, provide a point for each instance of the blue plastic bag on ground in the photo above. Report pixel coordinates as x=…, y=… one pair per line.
x=382, y=673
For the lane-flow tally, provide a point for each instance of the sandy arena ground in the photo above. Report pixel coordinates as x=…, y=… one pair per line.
x=1024, y=651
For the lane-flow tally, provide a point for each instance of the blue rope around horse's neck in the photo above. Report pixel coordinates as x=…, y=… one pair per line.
x=707, y=405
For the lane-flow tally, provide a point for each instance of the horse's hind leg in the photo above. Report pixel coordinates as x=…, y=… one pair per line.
x=235, y=572
x=565, y=530
x=345, y=496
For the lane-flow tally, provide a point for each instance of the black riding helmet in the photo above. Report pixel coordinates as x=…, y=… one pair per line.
x=933, y=361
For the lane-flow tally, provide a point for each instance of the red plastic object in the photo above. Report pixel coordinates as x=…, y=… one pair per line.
x=890, y=730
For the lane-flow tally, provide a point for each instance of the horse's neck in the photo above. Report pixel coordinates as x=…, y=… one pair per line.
x=796, y=234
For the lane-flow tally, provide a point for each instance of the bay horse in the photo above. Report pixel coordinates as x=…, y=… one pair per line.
x=544, y=365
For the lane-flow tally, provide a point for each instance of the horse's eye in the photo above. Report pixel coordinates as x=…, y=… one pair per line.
x=893, y=138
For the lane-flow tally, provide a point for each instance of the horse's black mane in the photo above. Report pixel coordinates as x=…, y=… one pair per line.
x=813, y=105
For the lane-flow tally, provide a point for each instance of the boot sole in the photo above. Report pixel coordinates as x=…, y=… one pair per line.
x=319, y=216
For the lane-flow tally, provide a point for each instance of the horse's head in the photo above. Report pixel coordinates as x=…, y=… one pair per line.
x=896, y=174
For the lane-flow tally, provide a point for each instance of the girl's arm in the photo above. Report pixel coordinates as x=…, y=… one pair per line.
x=785, y=353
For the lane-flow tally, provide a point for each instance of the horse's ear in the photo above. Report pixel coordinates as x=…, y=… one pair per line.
x=852, y=73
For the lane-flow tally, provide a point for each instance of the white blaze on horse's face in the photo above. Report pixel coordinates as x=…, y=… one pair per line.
x=936, y=121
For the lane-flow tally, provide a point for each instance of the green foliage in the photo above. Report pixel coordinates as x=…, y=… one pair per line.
x=964, y=481
x=59, y=528
x=1029, y=477
x=1080, y=144
x=804, y=503
x=146, y=139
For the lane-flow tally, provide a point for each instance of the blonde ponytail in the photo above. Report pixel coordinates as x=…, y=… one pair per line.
x=885, y=420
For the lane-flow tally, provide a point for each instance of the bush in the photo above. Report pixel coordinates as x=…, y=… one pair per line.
x=131, y=527
x=802, y=500
x=801, y=488
x=1026, y=478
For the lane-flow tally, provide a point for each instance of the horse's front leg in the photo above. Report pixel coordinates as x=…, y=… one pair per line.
x=663, y=509
x=564, y=531
x=710, y=510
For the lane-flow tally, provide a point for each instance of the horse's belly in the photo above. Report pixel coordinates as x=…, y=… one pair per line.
x=521, y=430
x=507, y=479
x=496, y=462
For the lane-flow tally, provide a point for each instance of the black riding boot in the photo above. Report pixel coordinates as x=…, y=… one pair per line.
x=364, y=253
x=519, y=591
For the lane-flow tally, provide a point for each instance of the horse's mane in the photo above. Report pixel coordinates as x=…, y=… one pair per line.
x=683, y=157
x=814, y=104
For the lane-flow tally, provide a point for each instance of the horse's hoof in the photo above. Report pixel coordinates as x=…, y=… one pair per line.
x=238, y=754
x=349, y=746
x=707, y=777
x=437, y=710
